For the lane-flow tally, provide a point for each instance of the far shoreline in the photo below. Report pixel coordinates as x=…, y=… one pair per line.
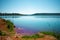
x=18, y=14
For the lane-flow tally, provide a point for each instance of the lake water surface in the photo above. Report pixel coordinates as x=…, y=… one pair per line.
x=36, y=23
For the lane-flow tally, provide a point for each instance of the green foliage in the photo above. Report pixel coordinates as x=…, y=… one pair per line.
x=49, y=33
x=41, y=36
x=2, y=33
x=33, y=36
x=37, y=36
x=53, y=34
x=26, y=37
x=10, y=25
x=57, y=36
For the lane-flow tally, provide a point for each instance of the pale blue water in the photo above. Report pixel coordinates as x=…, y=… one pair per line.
x=36, y=23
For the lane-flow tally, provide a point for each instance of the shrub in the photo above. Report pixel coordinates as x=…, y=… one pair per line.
x=49, y=33
x=10, y=25
x=2, y=33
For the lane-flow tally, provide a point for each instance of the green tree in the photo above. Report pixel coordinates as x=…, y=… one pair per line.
x=10, y=25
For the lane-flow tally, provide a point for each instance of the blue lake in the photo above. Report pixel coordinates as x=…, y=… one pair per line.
x=36, y=23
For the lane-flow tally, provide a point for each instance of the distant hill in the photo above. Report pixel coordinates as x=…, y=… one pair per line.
x=4, y=14
x=18, y=14
x=46, y=14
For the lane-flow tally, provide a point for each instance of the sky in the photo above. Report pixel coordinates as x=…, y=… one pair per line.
x=30, y=6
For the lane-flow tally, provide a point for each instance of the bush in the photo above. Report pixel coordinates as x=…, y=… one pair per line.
x=57, y=36
x=26, y=37
x=33, y=36
x=10, y=25
x=2, y=33
x=49, y=33
x=37, y=36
